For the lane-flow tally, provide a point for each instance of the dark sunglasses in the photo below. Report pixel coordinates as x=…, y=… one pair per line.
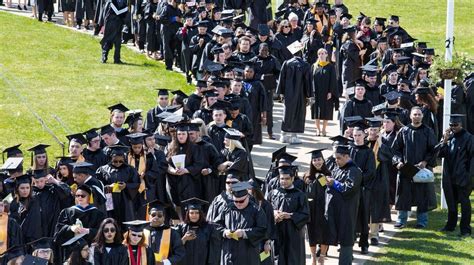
x=286, y=26
x=80, y=195
x=111, y=230
x=239, y=202
x=136, y=235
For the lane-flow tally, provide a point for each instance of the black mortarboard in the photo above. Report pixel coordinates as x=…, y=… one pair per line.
x=157, y=205
x=405, y=81
x=380, y=21
x=26, y=178
x=350, y=29
x=85, y=188
x=107, y=129
x=422, y=44
x=162, y=140
x=91, y=134
x=316, y=153
x=429, y=51
x=136, y=138
x=311, y=21
x=342, y=149
x=30, y=260
x=13, y=252
x=136, y=225
x=392, y=96
x=394, y=18
x=194, y=127
x=389, y=68
x=422, y=90
x=348, y=16
x=63, y=160
x=353, y=120
x=331, y=12
x=120, y=150
x=360, y=82
x=369, y=69
x=231, y=133
x=280, y=13
x=374, y=122
x=76, y=245
x=319, y=4
x=286, y=170
x=239, y=189
x=456, y=118
x=39, y=149
x=39, y=173
x=182, y=127
x=81, y=167
x=174, y=119
x=164, y=115
x=276, y=154
x=203, y=23
x=201, y=83
x=225, y=32
x=13, y=150
x=286, y=158
x=398, y=50
x=382, y=39
x=179, y=93
x=77, y=137
x=42, y=243
x=232, y=174
x=424, y=65
x=162, y=91
x=377, y=109
x=361, y=16
x=12, y=163
x=390, y=115
x=217, y=49
x=339, y=140
x=409, y=171
x=118, y=106
x=263, y=29
x=221, y=105
x=403, y=60
x=194, y=204
x=133, y=117
x=213, y=67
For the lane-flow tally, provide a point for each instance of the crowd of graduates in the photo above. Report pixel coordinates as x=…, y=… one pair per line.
x=177, y=184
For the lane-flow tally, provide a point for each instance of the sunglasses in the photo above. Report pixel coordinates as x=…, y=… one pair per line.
x=136, y=235
x=159, y=215
x=286, y=26
x=111, y=230
x=240, y=201
x=80, y=195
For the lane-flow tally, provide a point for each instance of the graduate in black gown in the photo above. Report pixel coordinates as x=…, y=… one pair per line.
x=139, y=253
x=83, y=174
x=163, y=240
x=243, y=220
x=236, y=158
x=121, y=183
x=12, y=237
x=356, y=106
x=78, y=219
x=93, y=152
x=315, y=188
x=291, y=211
x=196, y=233
x=112, y=18
x=108, y=247
x=52, y=196
x=152, y=121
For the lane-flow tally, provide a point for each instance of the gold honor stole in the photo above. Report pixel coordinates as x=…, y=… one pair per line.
x=3, y=232
x=164, y=246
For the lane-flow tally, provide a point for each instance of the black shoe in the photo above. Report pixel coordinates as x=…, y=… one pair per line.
x=374, y=241
x=169, y=68
x=40, y=19
x=50, y=19
x=78, y=26
x=446, y=229
x=418, y=226
x=87, y=27
x=19, y=7
x=465, y=234
x=399, y=225
x=364, y=250
x=104, y=59
x=118, y=62
x=24, y=8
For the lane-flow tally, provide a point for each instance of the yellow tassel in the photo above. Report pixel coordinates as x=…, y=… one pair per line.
x=91, y=199
x=147, y=215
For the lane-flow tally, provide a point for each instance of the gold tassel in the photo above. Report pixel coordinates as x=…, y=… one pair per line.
x=91, y=199
x=147, y=214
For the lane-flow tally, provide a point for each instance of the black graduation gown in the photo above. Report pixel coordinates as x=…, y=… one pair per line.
x=97, y=192
x=204, y=114
x=152, y=121
x=216, y=134
x=373, y=94
x=274, y=184
x=14, y=237
x=112, y=22
x=342, y=202
x=188, y=185
x=197, y=51
x=411, y=146
x=29, y=220
x=185, y=34
x=311, y=47
x=256, y=95
x=123, y=201
x=323, y=81
x=430, y=120
x=364, y=158
x=111, y=254
x=284, y=41
x=240, y=160
x=260, y=12
x=355, y=107
x=290, y=234
x=194, y=102
x=176, y=250
x=244, y=102
x=98, y=158
x=197, y=250
x=155, y=179
x=211, y=158
x=295, y=85
x=52, y=200
x=318, y=226
x=351, y=63
x=245, y=250
x=215, y=208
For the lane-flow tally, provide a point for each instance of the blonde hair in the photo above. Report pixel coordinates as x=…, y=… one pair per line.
x=233, y=144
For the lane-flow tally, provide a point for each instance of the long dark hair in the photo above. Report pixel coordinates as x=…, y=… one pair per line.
x=429, y=101
x=324, y=169
x=76, y=258
x=201, y=221
x=99, y=239
x=173, y=148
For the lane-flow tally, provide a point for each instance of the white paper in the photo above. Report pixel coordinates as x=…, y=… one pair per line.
x=72, y=240
x=178, y=161
x=109, y=203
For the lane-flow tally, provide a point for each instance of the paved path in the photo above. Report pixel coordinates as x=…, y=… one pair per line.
x=261, y=154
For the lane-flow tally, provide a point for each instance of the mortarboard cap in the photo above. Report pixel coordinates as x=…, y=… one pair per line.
x=29, y=259
x=348, y=16
x=81, y=167
x=78, y=138
x=422, y=44
x=409, y=171
x=39, y=149
x=162, y=140
x=107, y=129
x=403, y=60
x=394, y=18
x=361, y=16
x=213, y=67
x=201, y=83
x=360, y=82
x=12, y=151
x=377, y=109
x=277, y=153
x=217, y=49
x=118, y=150
x=239, y=189
x=179, y=93
x=12, y=163
x=428, y=51
x=286, y=158
x=350, y=29
x=311, y=21
x=331, y=12
x=225, y=32
x=136, y=138
x=390, y=115
x=231, y=133
x=422, y=90
x=203, y=23
x=342, y=149
x=352, y=120
x=64, y=161
x=392, y=96
x=85, y=188
x=136, y=225
x=374, y=122
x=389, y=68
x=39, y=173
x=91, y=134
x=456, y=118
x=23, y=179
x=280, y=13
x=118, y=106
x=77, y=244
x=286, y=169
x=263, y=29
x=156, y=205
x=13, y=252
x=193, y=204
x=194, y=127
x=382, y=39
x=42, y=243
x=340, y=140
x=221, y=105
x=182, y=127
x=133, y=117
x=316, y=153
x=380, y=21
x=162, y=91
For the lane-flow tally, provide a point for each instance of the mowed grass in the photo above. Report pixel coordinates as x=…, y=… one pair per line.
x=56, y=73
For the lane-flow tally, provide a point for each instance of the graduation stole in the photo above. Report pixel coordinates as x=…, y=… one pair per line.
x=80, y=158
x=319, y=24
x=3, y=232
x=321, y=64
x=141, y=256
x=164, y=246
x=376, y=150
x=141, y=169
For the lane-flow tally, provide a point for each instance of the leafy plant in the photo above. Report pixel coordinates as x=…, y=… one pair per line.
x=461, y=61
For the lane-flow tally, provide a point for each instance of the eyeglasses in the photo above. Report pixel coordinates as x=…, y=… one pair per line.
x=80, y=195
x=136, y=235
x=240, y=201
x=109, y=230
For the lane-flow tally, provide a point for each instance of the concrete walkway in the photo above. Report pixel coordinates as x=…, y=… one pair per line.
x=261, y=154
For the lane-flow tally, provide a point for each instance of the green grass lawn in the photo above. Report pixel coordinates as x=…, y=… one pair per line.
x=55, y=71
